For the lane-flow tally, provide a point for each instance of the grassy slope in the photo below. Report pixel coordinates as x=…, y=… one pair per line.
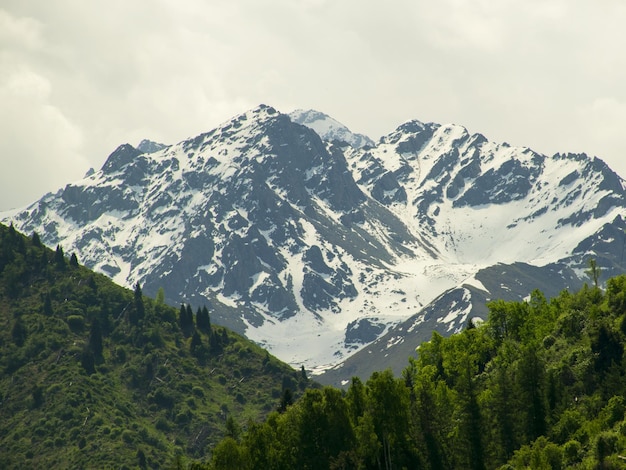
x=147, y=395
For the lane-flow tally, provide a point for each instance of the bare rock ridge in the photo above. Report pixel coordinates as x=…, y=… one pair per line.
x=319, y=243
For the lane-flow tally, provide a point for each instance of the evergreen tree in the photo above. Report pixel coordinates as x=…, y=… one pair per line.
x=189, y=314
x=185, y=320
x=36, y=240
x=138, y=312
x=73, y=260
x=59, y=258
x=182, y=316
x=196, y=347
x=286, y=400
x=203, y=321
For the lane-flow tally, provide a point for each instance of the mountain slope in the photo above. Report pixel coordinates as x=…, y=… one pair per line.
x=95, y=376
x=315, y=247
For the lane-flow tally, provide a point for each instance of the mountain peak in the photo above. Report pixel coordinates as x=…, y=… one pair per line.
x=121, y=156
x=329, y=128
x=278, y=227
x=149, y=146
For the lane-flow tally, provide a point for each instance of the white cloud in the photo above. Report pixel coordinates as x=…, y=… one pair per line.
x=38, y=144
x=81, y=78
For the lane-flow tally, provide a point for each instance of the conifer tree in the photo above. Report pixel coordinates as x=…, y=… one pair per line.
x=59, y=257
x=203, y=321
x=138, y=311
x=182, y=316
x=189, y=314
x=185, y=320
x=36, y=240
x=196, y=348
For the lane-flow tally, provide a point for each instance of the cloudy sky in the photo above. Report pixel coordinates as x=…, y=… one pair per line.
x=78, y=78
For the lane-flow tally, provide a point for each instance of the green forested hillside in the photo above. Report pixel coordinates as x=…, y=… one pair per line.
x=96, y=376
x=540, y=385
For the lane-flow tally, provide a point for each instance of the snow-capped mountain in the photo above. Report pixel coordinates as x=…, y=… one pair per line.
x=315, y=244
x=329, y=129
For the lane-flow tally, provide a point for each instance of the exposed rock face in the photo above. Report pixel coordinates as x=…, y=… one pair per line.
x=315, y=241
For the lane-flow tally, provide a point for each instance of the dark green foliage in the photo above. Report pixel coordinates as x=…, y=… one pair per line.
x=138, y=311
x=141, y=459
x=36, y=240
x=286, y=400
x=608, y=349
x=19, y=332
x=539, y=385
x=59, y=258
x=38, y=397
x=88, y=361
x=95, y=339
x=96, y=376
x=47, y=305
x=203, y=321
x=185, y=320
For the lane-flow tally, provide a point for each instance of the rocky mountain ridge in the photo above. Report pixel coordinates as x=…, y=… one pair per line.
x=315, y=246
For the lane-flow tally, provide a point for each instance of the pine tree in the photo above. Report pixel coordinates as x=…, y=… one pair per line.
x=203, y=321
x=189, y=314
x=196, y=348
x=182, y=316
x=59, y=258
x=36, y=240
x=185, y=320
x=138, y=312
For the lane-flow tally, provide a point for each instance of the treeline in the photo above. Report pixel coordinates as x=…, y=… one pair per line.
x=539, y=385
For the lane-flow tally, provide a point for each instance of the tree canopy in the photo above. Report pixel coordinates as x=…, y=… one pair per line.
x=539, y=385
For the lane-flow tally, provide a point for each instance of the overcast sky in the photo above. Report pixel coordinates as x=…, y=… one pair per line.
x=78, y=78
